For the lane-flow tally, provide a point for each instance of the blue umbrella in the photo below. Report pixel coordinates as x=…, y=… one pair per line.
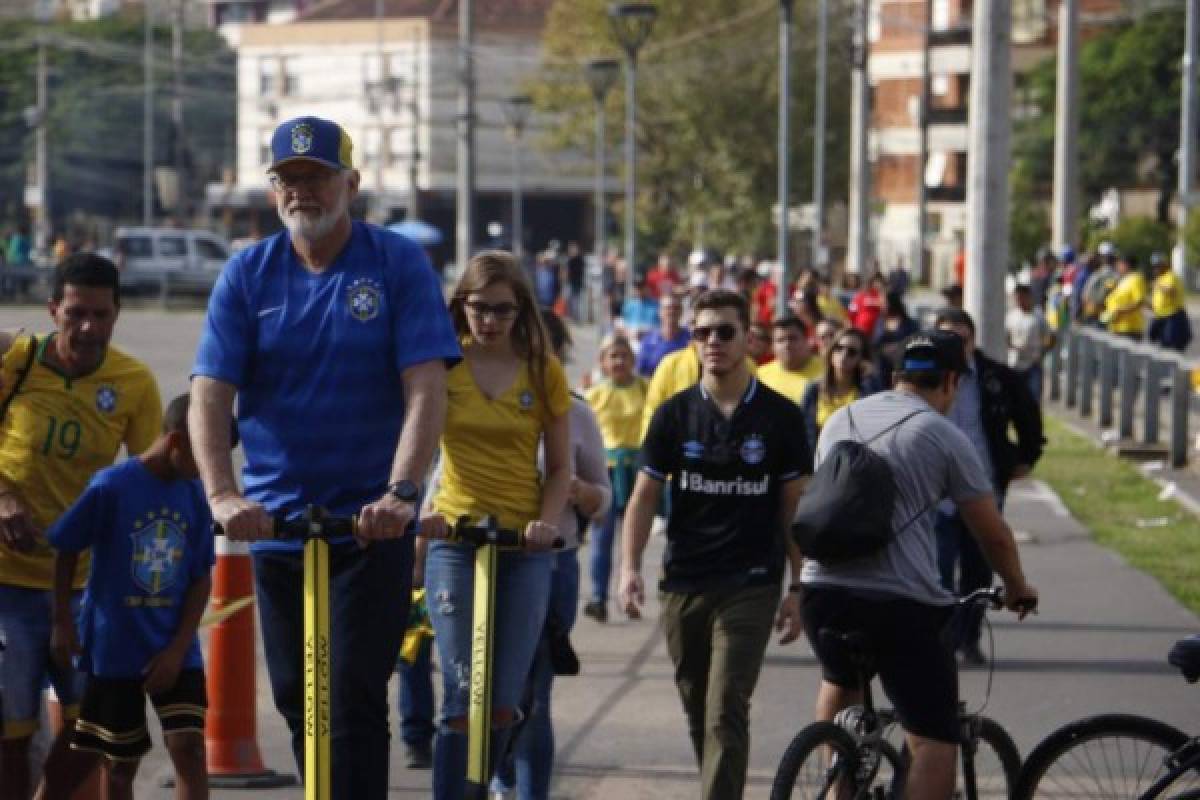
x=422, y=233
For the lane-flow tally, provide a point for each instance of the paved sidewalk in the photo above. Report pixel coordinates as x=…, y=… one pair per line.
x=1099, y=644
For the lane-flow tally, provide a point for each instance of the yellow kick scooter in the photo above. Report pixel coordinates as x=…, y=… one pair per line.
x=489, y=539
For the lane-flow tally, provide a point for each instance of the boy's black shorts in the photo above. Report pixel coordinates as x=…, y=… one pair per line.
x=915, y=666
x=112, y=716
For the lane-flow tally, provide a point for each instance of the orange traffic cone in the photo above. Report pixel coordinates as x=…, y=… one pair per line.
x=231, y=730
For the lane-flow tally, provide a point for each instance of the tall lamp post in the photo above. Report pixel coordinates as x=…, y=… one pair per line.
x=516, y=114
x=785, y=114
x=631, y=25
x=601, y=74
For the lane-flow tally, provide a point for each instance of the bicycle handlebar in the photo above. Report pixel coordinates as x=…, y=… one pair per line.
x=994, y=597
x=314, y=523
x=488, y=531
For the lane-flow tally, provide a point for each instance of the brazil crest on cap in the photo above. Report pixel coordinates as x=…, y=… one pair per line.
x=312, y=139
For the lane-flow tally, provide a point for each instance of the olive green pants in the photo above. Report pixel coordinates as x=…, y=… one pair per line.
x=717, y=640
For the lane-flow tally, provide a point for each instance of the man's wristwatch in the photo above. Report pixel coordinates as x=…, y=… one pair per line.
x=405, y=491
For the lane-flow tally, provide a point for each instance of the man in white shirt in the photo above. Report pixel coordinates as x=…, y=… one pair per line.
x=1029, y=338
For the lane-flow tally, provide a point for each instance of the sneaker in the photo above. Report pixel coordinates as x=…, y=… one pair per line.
x=419, y=756
x=597, y=610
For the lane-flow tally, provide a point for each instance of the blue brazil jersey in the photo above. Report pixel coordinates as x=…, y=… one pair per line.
x=317, y=362
x=150, y=540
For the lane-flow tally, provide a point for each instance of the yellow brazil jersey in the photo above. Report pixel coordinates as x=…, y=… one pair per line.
x=791, y=383
x=619, y=411
x=830, y=307
x=1167, y=296
x=677, y=371
x=59, y=432
x=1130, y=294
x=489, y=447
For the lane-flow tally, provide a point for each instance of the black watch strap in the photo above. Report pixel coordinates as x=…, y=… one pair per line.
x=405, y=491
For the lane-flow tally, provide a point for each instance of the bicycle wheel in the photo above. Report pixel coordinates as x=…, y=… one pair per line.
x=996, y=763
x=1107, y=757
x=825, y=761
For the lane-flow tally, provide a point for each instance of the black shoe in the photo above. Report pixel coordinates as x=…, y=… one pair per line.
x=972, y=655
x=419, y=756
x=563, y=659
x=597, y=610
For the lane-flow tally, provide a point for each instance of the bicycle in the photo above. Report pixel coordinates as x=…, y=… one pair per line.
x=852, y=759
x=1119, y=756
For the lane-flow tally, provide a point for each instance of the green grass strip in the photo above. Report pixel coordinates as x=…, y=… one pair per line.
x=1122, y=510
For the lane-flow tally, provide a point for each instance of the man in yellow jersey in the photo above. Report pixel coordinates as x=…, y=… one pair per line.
x=68, y=403
x=1123, y=306
x=1170, y=327
x=795, y=365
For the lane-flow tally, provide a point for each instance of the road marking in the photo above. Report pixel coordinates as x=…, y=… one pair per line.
x=1047, y=496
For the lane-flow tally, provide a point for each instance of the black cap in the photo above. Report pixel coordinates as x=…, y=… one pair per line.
x=933, y=351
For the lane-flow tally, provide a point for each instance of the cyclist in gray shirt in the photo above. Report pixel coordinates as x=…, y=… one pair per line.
x=894, y=596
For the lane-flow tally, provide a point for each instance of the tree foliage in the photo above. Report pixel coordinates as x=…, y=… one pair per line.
x=1129, y=80
x=95, y=113
x=708, y=98
x=1136, y=236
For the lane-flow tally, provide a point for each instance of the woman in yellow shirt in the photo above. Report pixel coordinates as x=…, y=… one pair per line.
x=618, y=401
x=506, y=396
x=848, y=376
x=1170, y=327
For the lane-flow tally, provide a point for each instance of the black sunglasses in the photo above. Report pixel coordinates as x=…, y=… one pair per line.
x=725, y=332
x=498, y=310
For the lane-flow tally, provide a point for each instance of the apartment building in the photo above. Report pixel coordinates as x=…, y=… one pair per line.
x=897, y=35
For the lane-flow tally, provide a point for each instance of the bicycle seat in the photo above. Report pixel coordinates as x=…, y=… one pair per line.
x=854, y=644
x=1186, y=656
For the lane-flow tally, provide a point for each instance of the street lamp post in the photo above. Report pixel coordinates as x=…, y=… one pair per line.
x=785, y=109
x=601, y=76
x=516, y=114
x=631, y=25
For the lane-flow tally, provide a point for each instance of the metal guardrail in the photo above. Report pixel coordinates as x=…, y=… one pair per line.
x=1099, y=375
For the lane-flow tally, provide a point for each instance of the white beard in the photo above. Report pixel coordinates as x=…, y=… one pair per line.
x=306, y=226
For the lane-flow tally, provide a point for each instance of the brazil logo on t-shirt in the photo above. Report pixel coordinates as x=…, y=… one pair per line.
x=158, y=551
x=364, y=298
x=106, y=398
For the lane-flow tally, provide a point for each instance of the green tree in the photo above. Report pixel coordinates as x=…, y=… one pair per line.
x=94, y=121
x=1129, y=111
x=1136, y=236
x=708, y=96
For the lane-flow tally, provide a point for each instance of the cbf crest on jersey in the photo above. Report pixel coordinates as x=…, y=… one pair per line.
x=158, y=544
x=302, y=138
x=106, y=398
x=364, y=298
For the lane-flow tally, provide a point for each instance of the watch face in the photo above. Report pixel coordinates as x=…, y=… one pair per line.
x=405, y=491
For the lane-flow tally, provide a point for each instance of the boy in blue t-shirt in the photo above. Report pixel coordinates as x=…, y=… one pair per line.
x=150, y=532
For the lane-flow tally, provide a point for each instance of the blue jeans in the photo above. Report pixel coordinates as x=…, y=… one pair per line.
x=533, y=749
x=415, y=702
x=25, y=661
x=957, y=547
x=369, y=592
x=1033, y=379
x=600, y=559
x=522, y=593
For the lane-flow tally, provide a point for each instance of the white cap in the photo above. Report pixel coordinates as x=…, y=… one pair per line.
x=1105, y=249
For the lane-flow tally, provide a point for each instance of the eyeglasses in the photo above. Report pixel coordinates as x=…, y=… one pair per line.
x=725, y=332
x=306, y=180
x=847, y=349
x=497, y=310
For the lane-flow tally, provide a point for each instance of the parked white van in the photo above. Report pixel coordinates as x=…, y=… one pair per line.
x=148, y=256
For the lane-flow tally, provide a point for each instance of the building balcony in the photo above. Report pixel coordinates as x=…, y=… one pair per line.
x=957, y=35
x=948, y=116
x=946, y=194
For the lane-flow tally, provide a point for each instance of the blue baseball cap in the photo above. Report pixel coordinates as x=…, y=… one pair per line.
x=311, y=139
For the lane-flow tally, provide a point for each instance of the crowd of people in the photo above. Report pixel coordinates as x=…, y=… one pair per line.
x=329, y=355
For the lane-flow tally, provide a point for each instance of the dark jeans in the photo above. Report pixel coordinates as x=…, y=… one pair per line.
x=416, y=698
x=369, y=593
x=717, y=640
x=956, y=547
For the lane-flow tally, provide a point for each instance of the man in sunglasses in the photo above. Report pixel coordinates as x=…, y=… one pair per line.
x=893, y=596
x=334, y=338
x=733, y=452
